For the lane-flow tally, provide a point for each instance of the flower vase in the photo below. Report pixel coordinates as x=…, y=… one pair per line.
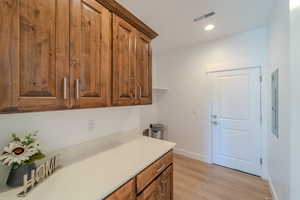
x=16, y=176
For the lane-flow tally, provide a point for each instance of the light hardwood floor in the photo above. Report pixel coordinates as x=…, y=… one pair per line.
x=195, y=180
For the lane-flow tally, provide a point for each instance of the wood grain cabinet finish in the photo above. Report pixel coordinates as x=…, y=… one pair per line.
x=154, y=183
x=150, y=173
x=161, y=188
x=143, y=67
x=34, y=61
x=123, y=62
x=152, y=192
x=132, y=65
x=65, y=54
x=126, y=192
x=90, y=54
x=166, y=184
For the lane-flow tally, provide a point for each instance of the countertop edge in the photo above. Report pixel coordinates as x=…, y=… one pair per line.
x=135, y=174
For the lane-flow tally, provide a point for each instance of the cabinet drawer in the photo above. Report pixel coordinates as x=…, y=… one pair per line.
x=127, y=192
x=161, y=188
x=149, y=174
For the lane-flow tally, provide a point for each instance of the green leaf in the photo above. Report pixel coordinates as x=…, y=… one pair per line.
x=16, y=165
x=38, y=156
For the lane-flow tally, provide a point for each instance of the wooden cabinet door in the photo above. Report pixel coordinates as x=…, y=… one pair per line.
x=126, y=192
x=34, y=61
x=90, y=54
x=161, y=188
x=143, y=69
x=152, y=192
x=123, y=62
x=166, y=184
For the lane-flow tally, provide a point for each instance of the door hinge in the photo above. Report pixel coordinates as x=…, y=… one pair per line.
x=261, y=119
x=261, y=161
x=260, y=79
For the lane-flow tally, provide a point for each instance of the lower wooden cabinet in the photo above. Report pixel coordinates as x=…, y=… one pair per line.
x=152, y=192
x=166, y=184
x=149, y=174
x=127, y=192
x=160, y=186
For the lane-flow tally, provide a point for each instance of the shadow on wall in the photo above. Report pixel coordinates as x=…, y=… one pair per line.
x=61, y=129
x=75, y=153
x=4, y=171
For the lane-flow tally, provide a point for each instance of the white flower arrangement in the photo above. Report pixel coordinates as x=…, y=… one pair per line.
x=21, y=151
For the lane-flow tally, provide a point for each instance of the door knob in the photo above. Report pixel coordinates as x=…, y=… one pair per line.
x=215, y=123
x=214, y=116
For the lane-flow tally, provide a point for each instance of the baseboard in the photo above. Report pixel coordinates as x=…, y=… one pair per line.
x=192, y=155
x=272, y=188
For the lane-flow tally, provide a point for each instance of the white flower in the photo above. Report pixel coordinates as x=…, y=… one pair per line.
x=34, y=145
x=15, y=152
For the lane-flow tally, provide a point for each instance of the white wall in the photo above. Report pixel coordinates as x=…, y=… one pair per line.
x=295, y=98
x=185, y=107
x=278, y=149
x=61, y=129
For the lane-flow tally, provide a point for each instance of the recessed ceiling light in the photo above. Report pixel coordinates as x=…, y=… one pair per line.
x=209, y=27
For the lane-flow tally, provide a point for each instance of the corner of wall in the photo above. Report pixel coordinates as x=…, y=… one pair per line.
x=271, y=186
x=193, y=155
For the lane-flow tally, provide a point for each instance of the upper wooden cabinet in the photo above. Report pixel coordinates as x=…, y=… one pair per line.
x=132, y=65
x=123, y=62
x=34, y=48
x=143, y=69
x=90, y=54
x=64, y=54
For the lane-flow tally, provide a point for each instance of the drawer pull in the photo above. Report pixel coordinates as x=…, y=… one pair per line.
x=161, y=169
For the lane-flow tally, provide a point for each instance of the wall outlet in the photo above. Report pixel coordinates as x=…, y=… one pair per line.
x=91, y=125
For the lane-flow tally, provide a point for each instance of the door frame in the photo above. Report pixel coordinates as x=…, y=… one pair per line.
x=263, y=125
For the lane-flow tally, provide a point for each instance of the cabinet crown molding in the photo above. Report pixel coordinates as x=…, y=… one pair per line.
x=121, y=11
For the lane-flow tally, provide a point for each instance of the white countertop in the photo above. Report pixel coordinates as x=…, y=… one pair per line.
x=98, y=176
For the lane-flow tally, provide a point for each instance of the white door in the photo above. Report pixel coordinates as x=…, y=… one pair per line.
x=235, y=120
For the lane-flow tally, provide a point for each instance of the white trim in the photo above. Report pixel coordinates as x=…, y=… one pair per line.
x=193, y=155
x=211, y=158
x=264, y=126
x=232, y=68
x=272, y=188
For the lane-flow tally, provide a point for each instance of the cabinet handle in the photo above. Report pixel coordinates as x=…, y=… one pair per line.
x=65, y=88
x=139, y=87
x=161, y=168
x=140, y=91
x=77, y=88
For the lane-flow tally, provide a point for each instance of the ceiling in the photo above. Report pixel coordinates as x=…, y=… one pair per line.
x=173, y=19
